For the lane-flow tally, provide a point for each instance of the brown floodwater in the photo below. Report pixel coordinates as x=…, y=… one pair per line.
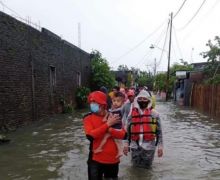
x=57, y=149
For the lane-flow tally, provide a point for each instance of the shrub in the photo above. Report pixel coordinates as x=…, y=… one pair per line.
x=68, y=108
x=81, y=96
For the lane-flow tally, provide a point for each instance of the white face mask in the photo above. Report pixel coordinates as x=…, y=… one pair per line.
x=94, y=107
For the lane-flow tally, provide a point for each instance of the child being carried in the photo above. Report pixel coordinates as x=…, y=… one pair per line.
x=117, y=103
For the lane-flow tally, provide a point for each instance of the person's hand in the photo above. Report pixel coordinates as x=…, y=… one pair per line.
x=113, y=119
x=105, y=117
x=160, y=152
x=126, y=149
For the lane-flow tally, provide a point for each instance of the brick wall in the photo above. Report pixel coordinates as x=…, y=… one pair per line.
x=29, y=59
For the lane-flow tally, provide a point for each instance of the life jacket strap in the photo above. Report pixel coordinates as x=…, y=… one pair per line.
x=145, y=132
x=140, y=116
x=134, y=123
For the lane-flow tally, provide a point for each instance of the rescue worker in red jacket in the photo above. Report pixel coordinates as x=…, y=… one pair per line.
x=144, y=131
x=96, y=125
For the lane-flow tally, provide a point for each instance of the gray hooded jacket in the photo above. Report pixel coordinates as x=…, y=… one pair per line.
x=147, y=145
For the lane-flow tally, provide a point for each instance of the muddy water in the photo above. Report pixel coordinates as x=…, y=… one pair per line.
x=57, y=149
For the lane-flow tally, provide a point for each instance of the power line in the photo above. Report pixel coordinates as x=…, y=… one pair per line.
x=143, y=58
x=146, y=55
x=211, y=9
x=214, y=5
x=179, y=9
x=164, y=44
x=18, y=16
x=204, y=18
x=4, y=5
x=177, y=42
x=136, y=46
x=160, y=37
x=193, y=16
x=174, y=51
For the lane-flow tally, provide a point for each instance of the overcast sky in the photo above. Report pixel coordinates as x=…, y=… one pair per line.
x=123, y=30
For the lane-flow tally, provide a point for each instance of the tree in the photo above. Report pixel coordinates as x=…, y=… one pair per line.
x=212, y=70
x=184, y=66
x=214, y=50
x=145, y=79
x=160, y=82
x=161, y=79
x=101, y=74
x=129, y=79
x=123, y=68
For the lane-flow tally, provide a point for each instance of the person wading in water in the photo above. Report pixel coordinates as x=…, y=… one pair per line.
x=97, y=124
x=144, y=132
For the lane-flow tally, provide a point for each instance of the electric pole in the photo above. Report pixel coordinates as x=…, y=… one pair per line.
x=79, y=35
x=168, y=66
x=155, y=66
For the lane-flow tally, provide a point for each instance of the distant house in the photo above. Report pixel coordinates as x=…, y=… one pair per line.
x=199, y=66
x=125, y=78
x=184, y=82
x=121, y=77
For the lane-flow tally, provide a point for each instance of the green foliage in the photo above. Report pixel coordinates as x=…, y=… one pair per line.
x=68, y=108
x=215, y=80
x=212, y=70
x=129, y=80
x=145, y=79
x=101, y=74
x=213, y=53
x=184, y=66
x=81, y=96
x=180, y=67
x=123, y=68
x=160, y=82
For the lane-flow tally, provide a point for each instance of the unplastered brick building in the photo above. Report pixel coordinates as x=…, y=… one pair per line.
x=38, y=70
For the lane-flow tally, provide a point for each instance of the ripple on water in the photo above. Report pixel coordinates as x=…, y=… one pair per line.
x=51, y=168
x=59, y=150
x=48, y=129
x=43, y=152
x=35, y=133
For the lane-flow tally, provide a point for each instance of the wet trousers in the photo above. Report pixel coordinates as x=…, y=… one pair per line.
x=98, y=171
x=141, y=157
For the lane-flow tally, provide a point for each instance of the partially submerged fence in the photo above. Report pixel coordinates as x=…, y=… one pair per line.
x=206, y=98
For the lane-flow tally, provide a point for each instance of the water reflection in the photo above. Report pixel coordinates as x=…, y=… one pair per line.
x=58, y=149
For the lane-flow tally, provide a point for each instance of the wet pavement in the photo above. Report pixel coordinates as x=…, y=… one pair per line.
x=57, y=149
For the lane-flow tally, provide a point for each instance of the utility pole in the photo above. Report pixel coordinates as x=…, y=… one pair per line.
x=168, y=66
x=155, y=66
x=192, y=55
x=79, y=35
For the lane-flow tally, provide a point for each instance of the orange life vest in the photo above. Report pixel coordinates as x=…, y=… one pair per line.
x=142, y=124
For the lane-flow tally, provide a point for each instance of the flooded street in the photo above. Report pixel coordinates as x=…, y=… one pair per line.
x=58, y=149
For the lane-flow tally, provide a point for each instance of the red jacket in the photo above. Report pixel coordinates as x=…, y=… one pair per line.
x=95, y=129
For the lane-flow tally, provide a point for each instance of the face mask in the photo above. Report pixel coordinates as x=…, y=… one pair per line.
x=94, y=107
x=143, y=104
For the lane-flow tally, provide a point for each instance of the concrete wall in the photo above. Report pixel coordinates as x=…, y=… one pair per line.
x=27, y=58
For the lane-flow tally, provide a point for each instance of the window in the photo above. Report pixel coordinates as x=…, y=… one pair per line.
x=78, y=79
x=52, y=79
